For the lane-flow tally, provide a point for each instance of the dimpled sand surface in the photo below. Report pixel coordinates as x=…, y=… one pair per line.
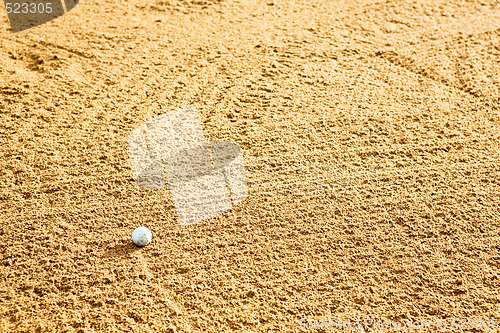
x=370, y=132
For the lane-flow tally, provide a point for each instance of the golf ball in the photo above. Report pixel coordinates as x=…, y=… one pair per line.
x=141, y=236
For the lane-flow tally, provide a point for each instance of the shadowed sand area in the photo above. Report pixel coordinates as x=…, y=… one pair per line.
x=370, y=133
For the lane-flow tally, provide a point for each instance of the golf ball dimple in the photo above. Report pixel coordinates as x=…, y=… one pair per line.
x=141, y=236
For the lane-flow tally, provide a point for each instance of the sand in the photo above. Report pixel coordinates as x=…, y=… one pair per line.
x=370, y=133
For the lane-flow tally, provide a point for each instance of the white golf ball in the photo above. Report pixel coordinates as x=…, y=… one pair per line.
x=141, y=236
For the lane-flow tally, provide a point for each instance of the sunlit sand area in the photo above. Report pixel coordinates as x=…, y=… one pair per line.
x=369, y=133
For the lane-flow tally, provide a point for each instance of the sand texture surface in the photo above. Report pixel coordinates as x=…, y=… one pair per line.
x=370, y=132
